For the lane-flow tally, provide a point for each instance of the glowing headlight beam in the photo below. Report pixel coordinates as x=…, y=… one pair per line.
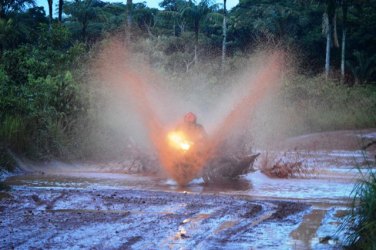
x=178, y=140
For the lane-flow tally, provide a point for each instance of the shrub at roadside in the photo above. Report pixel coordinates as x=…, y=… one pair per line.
x=360, y=224
x=327, y=105
x=41, y=100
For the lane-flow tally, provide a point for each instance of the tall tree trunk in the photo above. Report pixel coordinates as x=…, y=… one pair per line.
x=344, y=27
x=327, y=54
x=174, y=29
x=224, y=33
x=195, y=56
x=50, y=12
x=129, y=20
x=83, y=31
x=343, y=55
x=330, y=10
x=61, y=2
x=197, y=30
x=335, y=34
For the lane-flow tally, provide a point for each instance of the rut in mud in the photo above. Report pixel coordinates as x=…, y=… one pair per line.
x=142, y=219
x=102, y=207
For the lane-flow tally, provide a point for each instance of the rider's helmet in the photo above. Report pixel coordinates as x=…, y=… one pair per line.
x=190, y=117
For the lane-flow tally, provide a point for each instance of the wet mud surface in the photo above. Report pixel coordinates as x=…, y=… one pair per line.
x=91, y=207
x=111, y=219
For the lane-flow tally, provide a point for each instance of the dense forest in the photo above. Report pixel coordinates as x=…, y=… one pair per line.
x=45, y=110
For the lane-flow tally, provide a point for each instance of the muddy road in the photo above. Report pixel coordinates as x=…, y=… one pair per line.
x=143, y=220
x=100, y=207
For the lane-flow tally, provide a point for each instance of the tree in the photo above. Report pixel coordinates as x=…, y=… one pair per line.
x=50, y=2
x=274, y=22
x=343, y=46
x=328, y=30
x=61, y=3
x=82, y=11
x=196, y=14
x=172, y=15
x=144, y=17
x=362, y=67
x=129, y=20
x=224, y=28
x=12, y=6
x=21, y=27
x=6, y=27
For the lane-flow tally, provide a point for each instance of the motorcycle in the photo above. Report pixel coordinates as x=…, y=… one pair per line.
x=186, y=157
x=190, y=160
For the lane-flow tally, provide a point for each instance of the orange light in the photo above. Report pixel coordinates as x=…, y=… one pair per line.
x=178, y=140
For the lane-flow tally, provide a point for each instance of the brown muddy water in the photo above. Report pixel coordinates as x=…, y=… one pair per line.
x=81, y=206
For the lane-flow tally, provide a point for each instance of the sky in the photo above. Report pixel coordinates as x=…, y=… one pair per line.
x=149, y=3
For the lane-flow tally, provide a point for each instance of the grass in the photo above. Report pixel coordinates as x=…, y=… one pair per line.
x=360, y=224
x=327, y=105
x=7, y=163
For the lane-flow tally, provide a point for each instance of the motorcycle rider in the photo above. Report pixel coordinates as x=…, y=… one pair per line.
x=194, y=131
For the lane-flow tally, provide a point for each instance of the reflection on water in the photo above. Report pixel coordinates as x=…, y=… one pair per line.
x=254, y=184
x=92, y=180
x=333, y=180
x=306, y=231
x=240, y=184
x=329, y=190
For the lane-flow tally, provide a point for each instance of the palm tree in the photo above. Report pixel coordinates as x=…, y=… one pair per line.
x=173, y=11
x=196, y=14
x=82, y=11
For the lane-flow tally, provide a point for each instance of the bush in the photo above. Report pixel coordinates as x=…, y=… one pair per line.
x=39, y=117
x=360, y=224
x=7, y=162
x=327, y=105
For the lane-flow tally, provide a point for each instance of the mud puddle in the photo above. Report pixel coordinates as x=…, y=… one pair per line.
x=331, y=181
x=83, y=208
x=116, y=211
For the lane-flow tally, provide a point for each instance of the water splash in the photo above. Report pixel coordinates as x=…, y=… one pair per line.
x=134, y=83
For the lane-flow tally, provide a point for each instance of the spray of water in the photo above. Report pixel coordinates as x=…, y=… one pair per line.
x=137, y=88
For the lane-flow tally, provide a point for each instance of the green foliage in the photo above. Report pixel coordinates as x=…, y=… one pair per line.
x=362, y=68
x=40, y=99
x=43, y=110
x=56, y=37
x=360, y=224
x=6, y=161
x=39, y=117
x=89, y=19
x=21, y=28
x=8, y=7
x=25, y=60
x=326, y=105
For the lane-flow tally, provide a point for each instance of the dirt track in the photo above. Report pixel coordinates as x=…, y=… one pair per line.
x=97, y=210
x=109, y=219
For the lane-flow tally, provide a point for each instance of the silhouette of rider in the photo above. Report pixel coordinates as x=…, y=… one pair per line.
x=194, y=131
